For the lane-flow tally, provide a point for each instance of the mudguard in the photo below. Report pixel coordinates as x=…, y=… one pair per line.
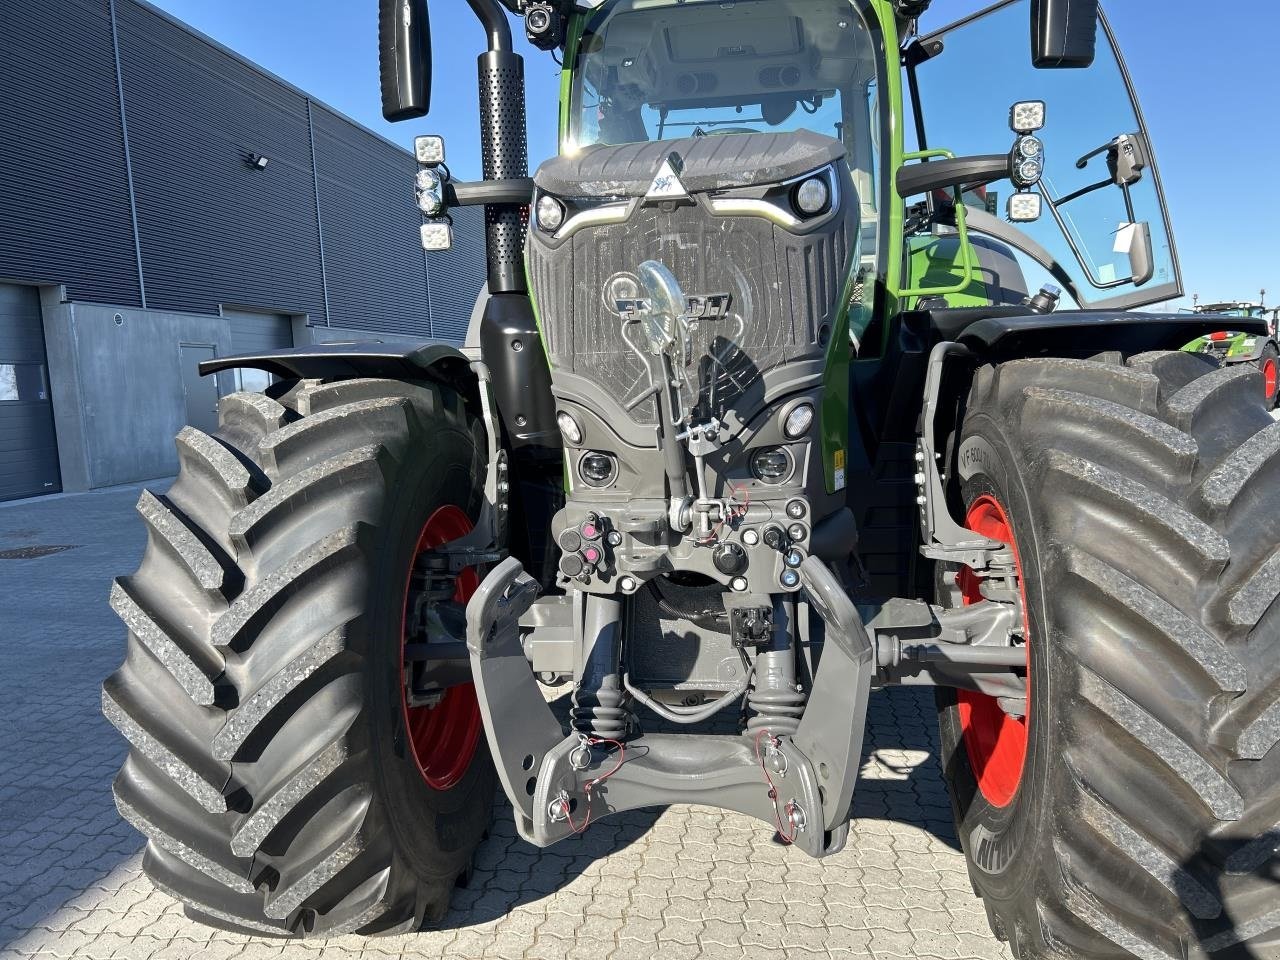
x=430, y=359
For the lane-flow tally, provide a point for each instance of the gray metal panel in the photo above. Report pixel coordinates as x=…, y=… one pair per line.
x=63, y=187
x=455, y=276
x=214, y=229
x=28, y=445
x=373, y=254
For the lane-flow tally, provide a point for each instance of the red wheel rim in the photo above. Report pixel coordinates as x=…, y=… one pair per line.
x=443, y=737
x=995, y=742
x=1270, y=377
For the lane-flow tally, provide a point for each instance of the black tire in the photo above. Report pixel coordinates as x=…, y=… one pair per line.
x=1269, y=364
x=1143, y=504
x=260, y=692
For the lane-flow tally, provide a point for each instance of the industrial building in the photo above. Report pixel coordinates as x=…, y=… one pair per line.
x=164, y=201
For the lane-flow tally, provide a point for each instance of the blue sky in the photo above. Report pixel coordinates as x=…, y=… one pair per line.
x=1210, y=87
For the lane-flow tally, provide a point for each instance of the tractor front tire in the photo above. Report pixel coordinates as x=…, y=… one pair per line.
x=273, y=764
x=1269, y=364
x=1135, y=811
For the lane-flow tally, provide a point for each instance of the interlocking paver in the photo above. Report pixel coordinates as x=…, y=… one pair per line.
x=679, y=884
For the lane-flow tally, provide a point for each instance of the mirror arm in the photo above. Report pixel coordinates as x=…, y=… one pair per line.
x=915, y=179
x=1083, y=192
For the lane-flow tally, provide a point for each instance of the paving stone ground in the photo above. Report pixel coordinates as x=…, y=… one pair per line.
x=678, y=884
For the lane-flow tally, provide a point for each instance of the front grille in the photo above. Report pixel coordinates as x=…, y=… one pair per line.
x=785, y=291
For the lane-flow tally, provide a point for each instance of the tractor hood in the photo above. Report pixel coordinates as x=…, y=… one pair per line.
x=706, y=163
x=767, y=278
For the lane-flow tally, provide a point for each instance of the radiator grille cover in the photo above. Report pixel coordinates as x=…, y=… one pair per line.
x=785, y=291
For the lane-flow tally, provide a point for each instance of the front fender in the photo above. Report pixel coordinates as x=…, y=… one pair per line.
x=429, y=360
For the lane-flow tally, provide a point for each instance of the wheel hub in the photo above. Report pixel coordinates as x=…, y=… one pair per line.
x=443, y=736
x=995, y=741
x=1271, y=377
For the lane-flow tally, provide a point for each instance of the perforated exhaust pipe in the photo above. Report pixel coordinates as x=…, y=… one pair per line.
x=504, y=150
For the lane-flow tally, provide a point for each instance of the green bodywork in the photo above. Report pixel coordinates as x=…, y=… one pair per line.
x=1234, y=346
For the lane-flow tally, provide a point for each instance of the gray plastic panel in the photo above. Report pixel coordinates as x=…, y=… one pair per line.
x=777, y=315
x=710, y=163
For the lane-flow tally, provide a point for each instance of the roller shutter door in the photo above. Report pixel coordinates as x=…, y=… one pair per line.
x=256, y=333
x=28, y=444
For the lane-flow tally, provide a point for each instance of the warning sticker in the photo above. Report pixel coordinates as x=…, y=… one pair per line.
x=839, y=469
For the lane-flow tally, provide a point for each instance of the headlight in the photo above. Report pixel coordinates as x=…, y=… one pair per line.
x=550, y=214
x=620, y=287
x=598, y=469
x=429, y=149
x=437, y=235
x=1030, y=147
x=798, y=421
x=771, y=465
x=1027, y=173
x=430, y=202
x=812, y=196
x=430, y=189
x=427, y=180
x=569, y=428
x=1024, y=207
x=1027, y=116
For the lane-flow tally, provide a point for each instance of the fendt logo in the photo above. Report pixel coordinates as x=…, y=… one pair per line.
x=666, y=183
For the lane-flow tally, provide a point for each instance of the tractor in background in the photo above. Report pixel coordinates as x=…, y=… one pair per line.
x=1231, y=347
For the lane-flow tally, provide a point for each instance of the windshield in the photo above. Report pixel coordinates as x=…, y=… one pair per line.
x=648, y=71
x=1088, y=232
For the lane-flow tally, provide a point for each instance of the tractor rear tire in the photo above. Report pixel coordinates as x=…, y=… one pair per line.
x=1142, y=817
x=272, y=767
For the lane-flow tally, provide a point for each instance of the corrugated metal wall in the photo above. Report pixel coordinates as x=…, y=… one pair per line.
x=379, y=286
x=211, y=230
x=63, y=187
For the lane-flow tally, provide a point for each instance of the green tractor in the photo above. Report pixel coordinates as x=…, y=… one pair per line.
x=757, y=414
x=1231, y=346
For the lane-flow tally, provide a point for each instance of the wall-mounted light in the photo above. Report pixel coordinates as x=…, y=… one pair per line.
x=256, y=161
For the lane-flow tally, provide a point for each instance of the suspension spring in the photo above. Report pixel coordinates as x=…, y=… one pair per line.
x=777, y=710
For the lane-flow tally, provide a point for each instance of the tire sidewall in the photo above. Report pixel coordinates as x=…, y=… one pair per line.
x=1003, y=843
x=435, y=830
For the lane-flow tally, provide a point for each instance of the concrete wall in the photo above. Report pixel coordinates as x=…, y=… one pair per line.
x=117, y=388
x=116, y=378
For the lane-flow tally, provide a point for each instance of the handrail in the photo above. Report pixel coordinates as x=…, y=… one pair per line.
x=966, y=249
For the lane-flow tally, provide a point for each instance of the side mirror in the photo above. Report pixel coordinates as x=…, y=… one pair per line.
x=404, y=56
x=1142, y=261
x=1064, y=33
